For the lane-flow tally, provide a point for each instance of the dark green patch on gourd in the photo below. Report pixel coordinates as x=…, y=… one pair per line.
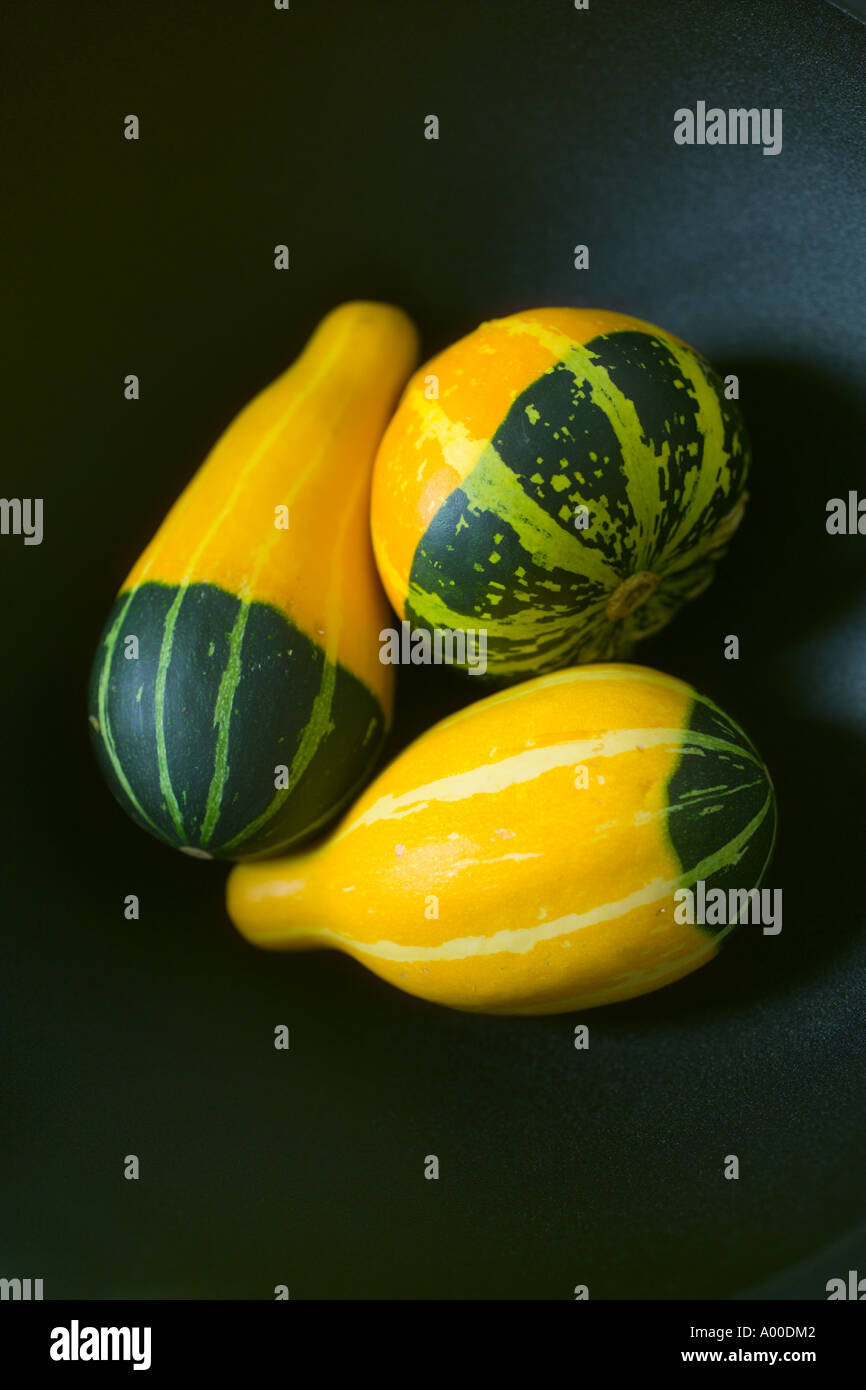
x=713, y=795
x=267, y=704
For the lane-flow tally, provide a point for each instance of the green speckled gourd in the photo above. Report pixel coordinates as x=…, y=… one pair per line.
x=562, y=479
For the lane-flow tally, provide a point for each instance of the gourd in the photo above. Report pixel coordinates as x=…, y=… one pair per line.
x=562, y=480
x=236, y=699
x=524, y=855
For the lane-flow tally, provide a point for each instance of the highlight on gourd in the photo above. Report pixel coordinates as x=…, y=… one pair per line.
x=236, y=698
x=529, y=854
x=562, y=480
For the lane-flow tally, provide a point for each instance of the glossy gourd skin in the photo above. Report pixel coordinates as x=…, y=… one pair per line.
x=521, y=857
x=258, y=645
x=569, y=488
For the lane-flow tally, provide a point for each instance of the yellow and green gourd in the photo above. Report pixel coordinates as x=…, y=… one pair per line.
x=522, y=856
x=252, y=705
x=562, y=479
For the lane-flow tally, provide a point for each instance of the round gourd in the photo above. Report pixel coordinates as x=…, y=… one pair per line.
x=236, y=699
x=562, y=479
x=523, y=856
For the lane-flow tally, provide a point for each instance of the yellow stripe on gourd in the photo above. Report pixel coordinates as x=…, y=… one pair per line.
x=702, y=482
x=642, y=460
x=526, y=767
x=495, y=487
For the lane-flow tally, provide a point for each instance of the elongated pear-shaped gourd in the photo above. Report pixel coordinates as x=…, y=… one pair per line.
x=536, y=852
x=237, y=700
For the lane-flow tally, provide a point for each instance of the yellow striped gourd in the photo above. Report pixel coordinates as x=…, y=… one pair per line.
x=522, y=856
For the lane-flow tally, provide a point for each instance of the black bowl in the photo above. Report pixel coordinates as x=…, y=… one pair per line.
x=558, y=1167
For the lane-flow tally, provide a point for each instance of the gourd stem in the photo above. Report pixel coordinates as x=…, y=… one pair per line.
x=630, y=595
